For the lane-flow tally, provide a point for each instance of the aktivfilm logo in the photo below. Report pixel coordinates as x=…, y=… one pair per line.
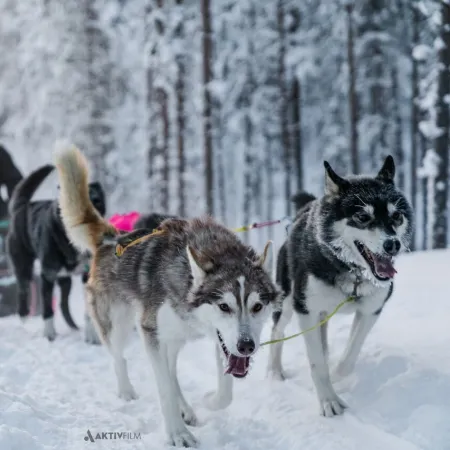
x=111, y=435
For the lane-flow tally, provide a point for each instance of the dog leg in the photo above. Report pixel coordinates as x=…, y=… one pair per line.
x=221, y=398
x=23, y=292
x=281, y=320
x=122, y=323
x=90, y=334
x=330, y=403
x=65, y=285
x=324, y=334
x=187, y=412
x=22, y=266
x=362, y=324
x=47, y=307
x=92, y=326
x=178, y=434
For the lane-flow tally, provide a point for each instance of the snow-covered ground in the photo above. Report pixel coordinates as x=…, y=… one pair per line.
x=399, y=396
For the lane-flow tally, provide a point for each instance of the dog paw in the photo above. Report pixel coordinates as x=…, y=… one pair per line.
x=90, y=334
x=188, y=415
x=182, y=438
x=215, y=402
x=90, y=337
x=92, y=340
x=332, y=406
x=128, y=394
x=49, y=329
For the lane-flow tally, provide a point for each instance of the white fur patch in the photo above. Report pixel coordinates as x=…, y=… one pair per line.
x=241, y=281
x=230, y=299
x=172, y=327
x=391, y=208
x=197, y=273
x=323, y=297
x=369, y=209
x=80, y=236
x=253, y=298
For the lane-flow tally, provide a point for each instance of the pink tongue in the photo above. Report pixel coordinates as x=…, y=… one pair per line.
x=384, y=268
x=238, y=365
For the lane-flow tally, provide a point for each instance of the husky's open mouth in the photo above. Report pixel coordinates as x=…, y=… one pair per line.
x=381, y=266
x=237, y=366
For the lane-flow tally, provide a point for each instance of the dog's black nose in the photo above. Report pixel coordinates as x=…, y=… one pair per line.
x=246, y=346
x=392, y=246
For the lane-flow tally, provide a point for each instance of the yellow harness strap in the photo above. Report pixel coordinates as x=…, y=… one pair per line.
x=120, y=249
x=322, y=322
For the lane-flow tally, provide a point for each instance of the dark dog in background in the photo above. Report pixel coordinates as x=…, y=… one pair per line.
x=10, y=176
x=37, y=232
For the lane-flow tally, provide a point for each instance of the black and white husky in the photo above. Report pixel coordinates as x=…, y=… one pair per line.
x=340, y=245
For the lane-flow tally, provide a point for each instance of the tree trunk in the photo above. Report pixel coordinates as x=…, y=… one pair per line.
x=284, y=115
x=250, y=162
x=296, y=130
x=221, y=184
x=443, y=123
x=180, y=92
x=151, y=143
x=99, y=75
x=414, y=127
x=180, y=140
x=269, y=181
x=352, y=97
x=425, y=199
x=248, y=179
x=162, y=100
x=398, y=140
x=207, y=105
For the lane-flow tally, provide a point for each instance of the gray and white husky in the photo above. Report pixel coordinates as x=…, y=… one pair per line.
x=340, y=245
x=194, y=278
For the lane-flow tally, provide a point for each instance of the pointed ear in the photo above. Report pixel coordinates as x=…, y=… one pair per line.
x=334, y=184
x=265, y=260
x=387, y=172
x=198, y=273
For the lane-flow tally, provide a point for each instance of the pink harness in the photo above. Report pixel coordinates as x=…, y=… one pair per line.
x=124, y=222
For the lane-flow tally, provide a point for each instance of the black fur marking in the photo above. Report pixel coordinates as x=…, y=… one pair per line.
x=300, y=304
x=276, y=317
x=388, y=296
x=282, y=275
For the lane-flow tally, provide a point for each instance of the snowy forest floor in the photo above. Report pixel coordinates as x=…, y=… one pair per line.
x=52, y=393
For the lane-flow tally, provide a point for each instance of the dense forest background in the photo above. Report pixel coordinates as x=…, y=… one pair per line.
x=230, y=106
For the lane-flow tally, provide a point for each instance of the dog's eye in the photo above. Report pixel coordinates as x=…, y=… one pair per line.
x=397, y=216
x=257, y=308
x=224, y=308
x=362, y=217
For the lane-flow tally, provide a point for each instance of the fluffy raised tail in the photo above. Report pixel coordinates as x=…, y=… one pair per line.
x=84, y=225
